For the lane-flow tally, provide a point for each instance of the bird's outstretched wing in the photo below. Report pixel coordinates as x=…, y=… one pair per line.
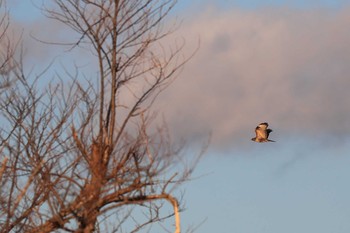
x=268, y=131
x=263, y=125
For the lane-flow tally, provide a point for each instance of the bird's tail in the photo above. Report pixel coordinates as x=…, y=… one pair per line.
x=270, y=140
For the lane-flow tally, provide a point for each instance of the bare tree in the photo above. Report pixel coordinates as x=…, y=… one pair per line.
x=75, y=157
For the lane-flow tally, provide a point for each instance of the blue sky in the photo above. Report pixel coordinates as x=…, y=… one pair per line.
x=285, y=62
x=284, y=189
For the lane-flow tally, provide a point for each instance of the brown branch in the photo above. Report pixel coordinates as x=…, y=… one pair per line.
x=3, y=166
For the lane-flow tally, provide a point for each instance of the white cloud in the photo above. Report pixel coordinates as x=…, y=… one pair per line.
x=286, y=66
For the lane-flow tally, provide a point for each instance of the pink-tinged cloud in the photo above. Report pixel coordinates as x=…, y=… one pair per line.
x=285, y=66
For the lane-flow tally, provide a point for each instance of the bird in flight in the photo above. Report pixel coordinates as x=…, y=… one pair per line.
x=262, y=133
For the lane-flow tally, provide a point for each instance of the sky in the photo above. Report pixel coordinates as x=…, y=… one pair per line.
x=281, y=62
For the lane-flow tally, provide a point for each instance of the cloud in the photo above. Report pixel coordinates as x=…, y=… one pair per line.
x=289, y=67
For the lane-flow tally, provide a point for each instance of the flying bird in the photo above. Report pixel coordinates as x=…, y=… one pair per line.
x=262, y=133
